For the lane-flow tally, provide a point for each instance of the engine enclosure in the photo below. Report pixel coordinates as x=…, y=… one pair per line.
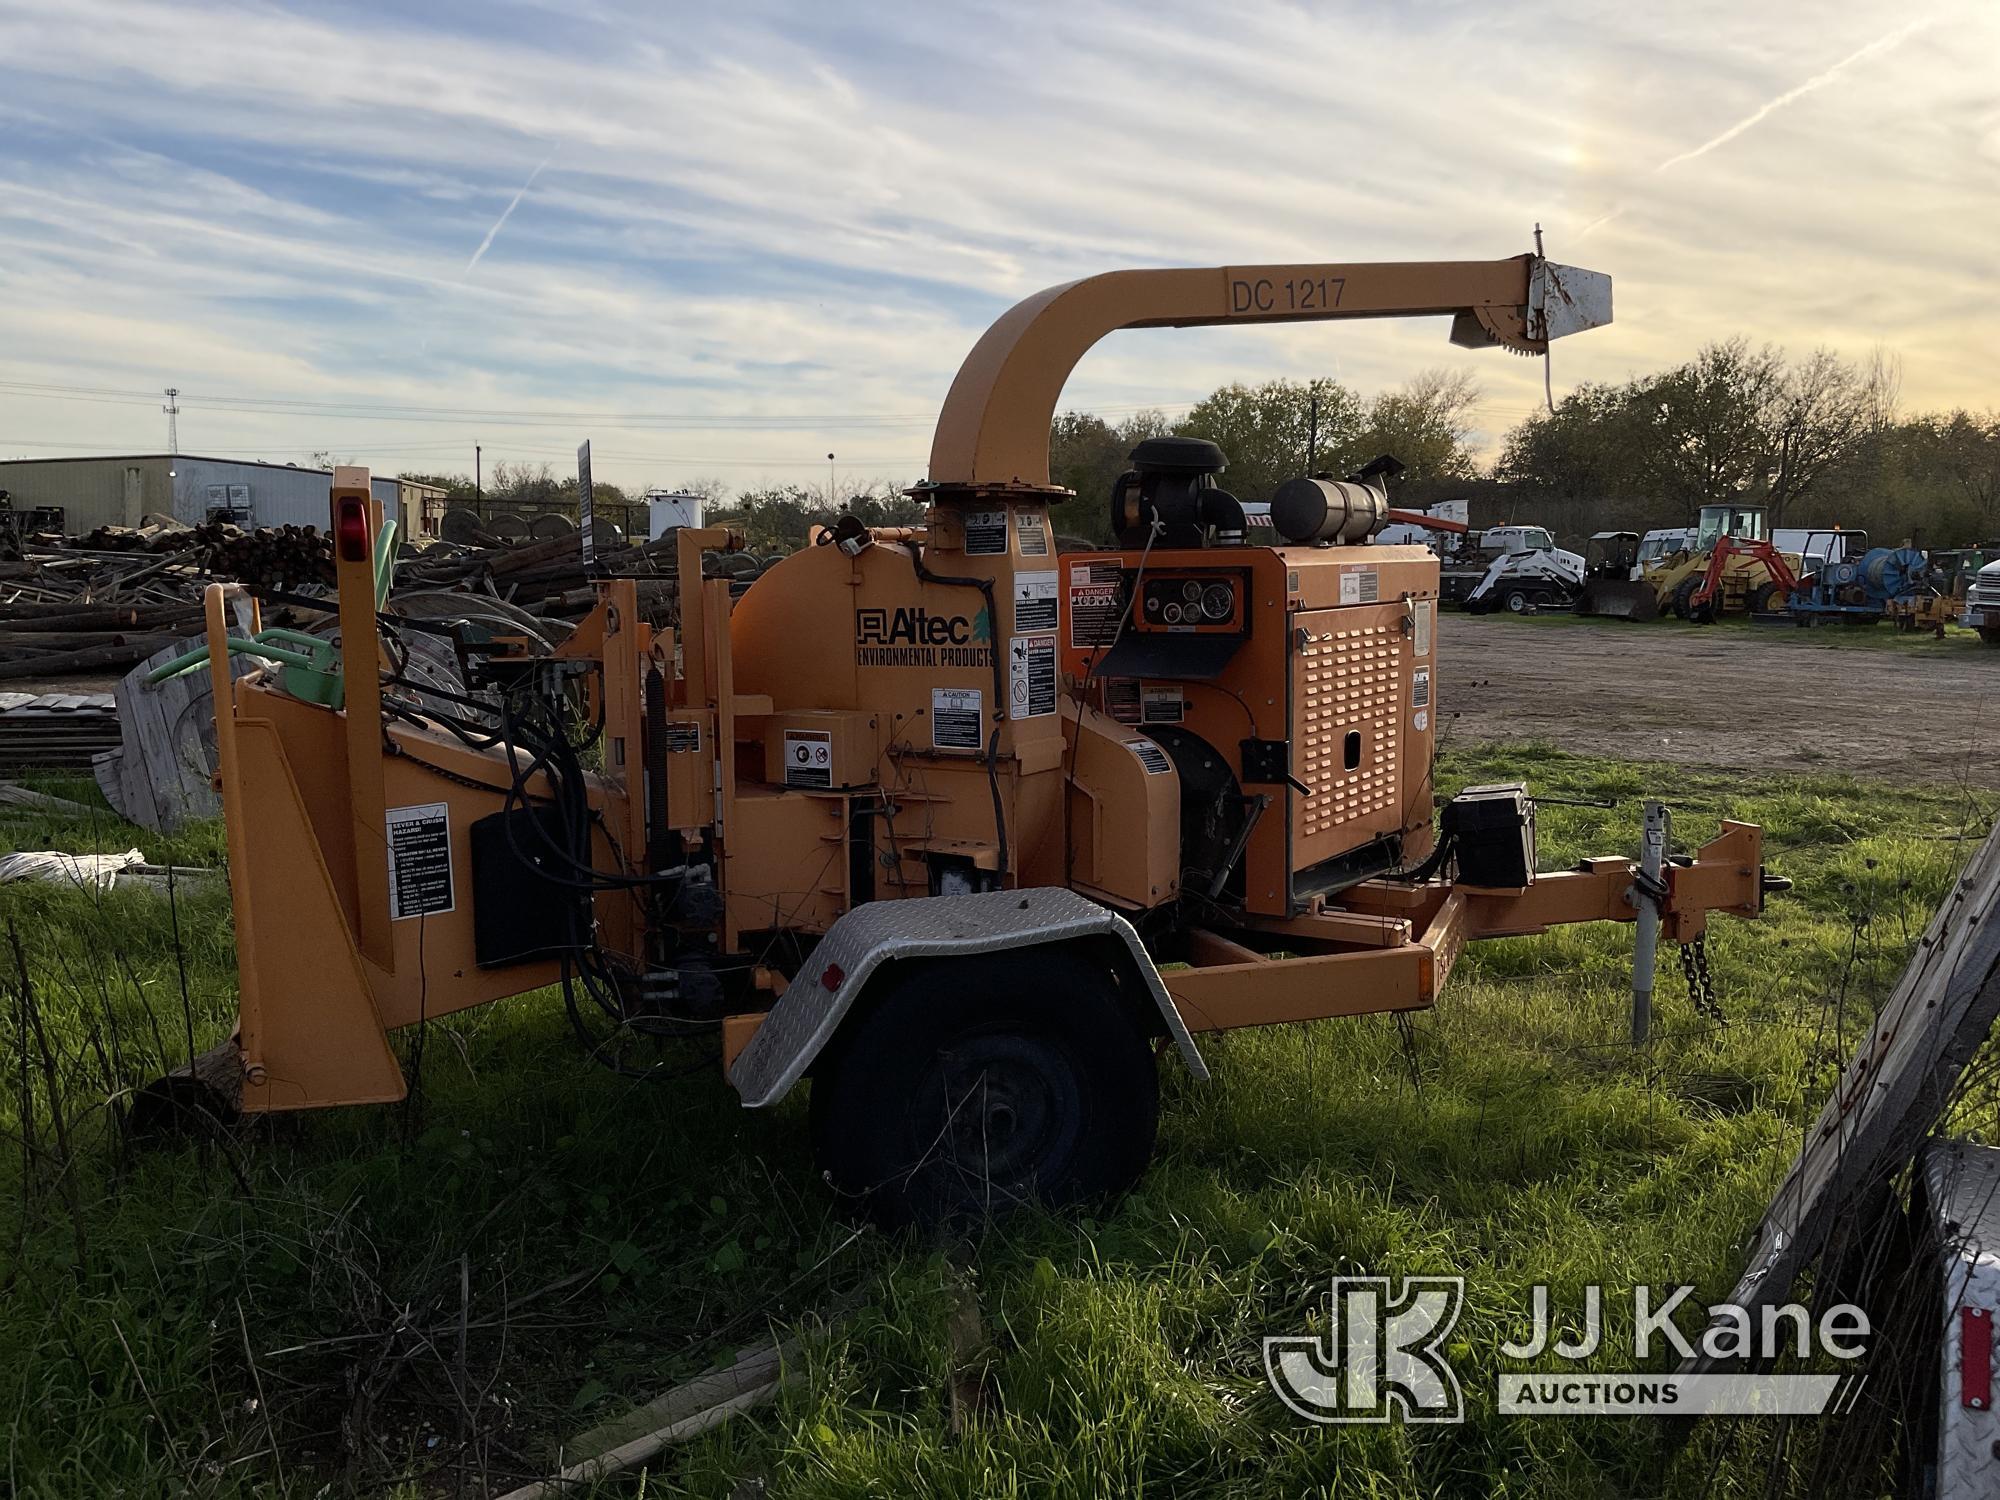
x=1317, y=690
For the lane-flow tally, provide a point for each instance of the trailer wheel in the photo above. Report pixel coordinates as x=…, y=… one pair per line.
x=973, y=1086
x=1519, y=601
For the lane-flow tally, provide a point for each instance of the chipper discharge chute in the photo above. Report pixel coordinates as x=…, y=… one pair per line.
x=964, y=831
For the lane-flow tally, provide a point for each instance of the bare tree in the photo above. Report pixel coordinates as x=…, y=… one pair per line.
x=1814, y=415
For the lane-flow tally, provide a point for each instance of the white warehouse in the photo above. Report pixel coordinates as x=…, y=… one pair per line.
x=94, y=492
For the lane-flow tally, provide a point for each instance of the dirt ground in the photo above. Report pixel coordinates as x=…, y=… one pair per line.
x=1727, y=696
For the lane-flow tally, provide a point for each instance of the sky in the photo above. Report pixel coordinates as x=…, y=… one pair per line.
x=722, y=241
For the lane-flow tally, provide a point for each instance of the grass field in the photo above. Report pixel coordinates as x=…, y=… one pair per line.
x=426, y=1299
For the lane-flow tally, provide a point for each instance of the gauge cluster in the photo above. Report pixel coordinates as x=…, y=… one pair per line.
x=1207, y=603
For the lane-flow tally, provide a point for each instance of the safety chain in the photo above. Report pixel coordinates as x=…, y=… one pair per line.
x=1700, y=983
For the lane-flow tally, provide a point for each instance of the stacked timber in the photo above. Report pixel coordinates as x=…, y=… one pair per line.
x=105, y=602
x=549, y=578
x=55, y=731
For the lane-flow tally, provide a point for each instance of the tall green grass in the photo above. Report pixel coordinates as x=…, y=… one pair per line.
x=420, y=1300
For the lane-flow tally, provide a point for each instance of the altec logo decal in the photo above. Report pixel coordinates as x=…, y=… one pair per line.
x=1382, y=1356
x=914, y=637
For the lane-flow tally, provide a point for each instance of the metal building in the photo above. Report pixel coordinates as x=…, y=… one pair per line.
x=94, y=492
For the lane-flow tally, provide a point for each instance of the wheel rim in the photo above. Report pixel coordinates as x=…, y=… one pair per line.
x=1517, y=602
x=996, y=1114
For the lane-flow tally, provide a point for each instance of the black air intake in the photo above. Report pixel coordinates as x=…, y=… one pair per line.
x=1172, y=484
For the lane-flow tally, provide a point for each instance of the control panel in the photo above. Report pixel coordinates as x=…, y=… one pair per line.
x=1192, y=603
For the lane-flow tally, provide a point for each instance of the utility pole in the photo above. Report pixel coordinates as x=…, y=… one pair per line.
x=173, y=411
x=1312, y=430
x=478, y=489
x=832, y=498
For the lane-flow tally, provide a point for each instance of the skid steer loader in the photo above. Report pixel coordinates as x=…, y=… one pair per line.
x=1612, y=589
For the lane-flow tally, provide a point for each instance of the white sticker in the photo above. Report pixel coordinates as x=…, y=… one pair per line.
x=1162, y=705
x=1360, y=585
x=1031, y=670
x=985, y=533
x=1420, y=688
x=419, y=860
x=1032, y=533
x=1426, y=608
x=1423, y=720
x=1151, y=756
x=957, y=716
x=808, y=757
x=1035, y=601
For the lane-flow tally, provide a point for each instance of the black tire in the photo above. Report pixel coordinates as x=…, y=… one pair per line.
x=973, y=1086
x=1761, y=597
x=1519, y=601
x=1683, y=597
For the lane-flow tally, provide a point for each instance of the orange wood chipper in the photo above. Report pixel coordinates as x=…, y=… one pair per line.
x=962, y=829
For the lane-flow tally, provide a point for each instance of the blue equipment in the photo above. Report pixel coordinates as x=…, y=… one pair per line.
x=1858, y=583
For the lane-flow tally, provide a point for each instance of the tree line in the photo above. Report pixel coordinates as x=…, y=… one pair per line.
x=1818, y=440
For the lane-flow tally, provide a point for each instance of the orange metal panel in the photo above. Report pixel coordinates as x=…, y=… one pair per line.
x=1273, y=992
x=361, y=672
x=1350, y=693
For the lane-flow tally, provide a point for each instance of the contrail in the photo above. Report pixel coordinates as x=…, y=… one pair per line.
x=1764, y=111
x=505, y=213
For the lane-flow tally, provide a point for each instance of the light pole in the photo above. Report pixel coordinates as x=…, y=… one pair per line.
x=832, y=499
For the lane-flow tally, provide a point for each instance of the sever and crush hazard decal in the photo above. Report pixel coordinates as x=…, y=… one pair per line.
x=956, y=718
x=419, y=860
x=1360, y=585
x=1035, y=601
x=1031, y=672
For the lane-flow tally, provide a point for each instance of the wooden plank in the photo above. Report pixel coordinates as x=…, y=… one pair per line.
x=167, y=756
x=1899, y=1081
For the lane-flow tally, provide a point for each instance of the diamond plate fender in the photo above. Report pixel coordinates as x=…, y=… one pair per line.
x=1964, y=1183
x=860, y=942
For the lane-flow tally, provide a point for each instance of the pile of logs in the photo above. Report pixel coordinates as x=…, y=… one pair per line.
x=105, y=602
x=548, y=578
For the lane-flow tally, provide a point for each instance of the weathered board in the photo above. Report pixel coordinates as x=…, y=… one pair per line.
x=163, y=772
x=1892, y=1091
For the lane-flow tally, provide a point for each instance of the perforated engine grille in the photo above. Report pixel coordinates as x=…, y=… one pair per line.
x=1347, y=680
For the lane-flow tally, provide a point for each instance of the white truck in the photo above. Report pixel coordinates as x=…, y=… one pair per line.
x=1982, y=604
x=1516, y=568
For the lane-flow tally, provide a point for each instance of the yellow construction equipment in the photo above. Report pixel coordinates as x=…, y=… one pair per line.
x=957, y=826
x=1754, y=578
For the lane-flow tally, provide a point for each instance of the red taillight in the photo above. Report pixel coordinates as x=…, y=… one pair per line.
x=352, y=526
x=833, y=977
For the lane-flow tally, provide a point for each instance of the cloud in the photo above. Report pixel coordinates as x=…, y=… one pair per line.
x=810, y=213
x=1770, y=107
